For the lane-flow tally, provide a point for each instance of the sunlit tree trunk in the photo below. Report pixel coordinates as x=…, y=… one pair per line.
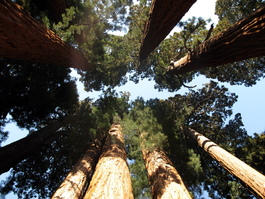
x=12, y=154
x=165, y=181
x=22, y=37
x=252, y=178
x=164, y=16
x=76, y=182
x=244, y=40
x=111, y=179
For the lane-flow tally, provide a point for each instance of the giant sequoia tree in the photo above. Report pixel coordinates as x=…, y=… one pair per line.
x=161, y=157
x=243, y=40
x=34, y=42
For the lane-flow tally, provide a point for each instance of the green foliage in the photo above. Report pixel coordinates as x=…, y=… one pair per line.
x=255, y=152
x=246, y=72
x=216, y=180
x=33, y=93
x=141, y=130
x=109, y=69
x=194, y=163
x=41, y=174
x=237, y=9
x=193, y=32
x=159, y=123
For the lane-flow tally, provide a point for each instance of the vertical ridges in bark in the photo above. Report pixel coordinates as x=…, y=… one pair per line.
x=22, y=37
x=112, y=177
x=163, y=17
x=165, y=180
x=76, y=182
x=249, y=176
x=244, y=40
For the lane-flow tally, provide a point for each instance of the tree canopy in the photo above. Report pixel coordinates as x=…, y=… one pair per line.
x=35, y=95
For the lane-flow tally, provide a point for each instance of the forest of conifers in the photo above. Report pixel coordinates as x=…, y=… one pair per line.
x=186, y=146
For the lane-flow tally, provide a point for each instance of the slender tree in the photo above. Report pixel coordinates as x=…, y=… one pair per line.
x=243, y=40
x=252, y=178
x=111, y=178
x=34, y=42
x=17, y=151
x=77, y=181
x=165, y=180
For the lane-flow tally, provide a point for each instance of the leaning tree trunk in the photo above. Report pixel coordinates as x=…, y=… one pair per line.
x=165, y=181
x=252, y=178
x=12, y=154
x=77, y=181
x=112, y=177
x=164, y=16
x=22, y=37
x=244, y=40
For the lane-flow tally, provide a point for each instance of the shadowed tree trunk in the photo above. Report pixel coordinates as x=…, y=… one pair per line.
x=164, y=16
x=77, y=181
x=165, y=181
x=252, y=178
x=12, y=154
x=22, y=37
x=112, y=177
x=244, y=40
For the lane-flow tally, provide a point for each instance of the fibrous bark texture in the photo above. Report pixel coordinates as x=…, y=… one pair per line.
x=12, y=154
x=165, y=181
x=76, y=182
x=111, y=179
x=164, y=15
x=22, y=37
x=244, y=40
x=252, y=178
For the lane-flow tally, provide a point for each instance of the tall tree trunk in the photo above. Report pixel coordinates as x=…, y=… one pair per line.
x=244, y=40
x=22, y=37
x=165, y=181
x=164, y=16
x=77, y=181
x=112, y=177
x=12, y=154
x=252, y=178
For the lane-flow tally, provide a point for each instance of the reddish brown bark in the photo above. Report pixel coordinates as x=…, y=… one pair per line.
x=252, y=178
x=165, y=181
x=76, y=182
x=112, y=177
x=164, y=15
x=22, y=37
x=244, y=40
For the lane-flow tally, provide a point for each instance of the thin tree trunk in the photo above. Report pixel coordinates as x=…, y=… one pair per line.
x=164, y=15
x=77, y=181
x=111, y=179
x=165, y=181
x=244, y=40
x=12, y=154
x=22, y=37
x=252, y=178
